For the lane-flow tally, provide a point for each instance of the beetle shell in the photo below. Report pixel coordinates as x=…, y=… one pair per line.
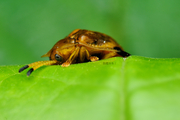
x=80, y=46
x=97, y=44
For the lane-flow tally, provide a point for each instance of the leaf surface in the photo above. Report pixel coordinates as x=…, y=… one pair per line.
x=136, y=88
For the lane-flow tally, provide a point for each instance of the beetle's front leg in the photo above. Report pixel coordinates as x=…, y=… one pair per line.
x=85, y=53
x=72, y=57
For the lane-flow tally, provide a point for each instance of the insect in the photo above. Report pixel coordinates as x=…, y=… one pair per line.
x=78, y=47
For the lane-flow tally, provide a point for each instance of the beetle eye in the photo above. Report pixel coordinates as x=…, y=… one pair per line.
x=58, y=57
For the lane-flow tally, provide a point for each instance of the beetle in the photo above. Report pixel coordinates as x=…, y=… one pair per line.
x=78, y=47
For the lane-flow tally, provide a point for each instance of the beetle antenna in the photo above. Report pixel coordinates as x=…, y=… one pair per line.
x=36, y=65
x=30, y=71
x=23, y=68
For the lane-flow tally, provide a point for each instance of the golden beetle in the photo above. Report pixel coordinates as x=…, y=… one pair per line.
x=78, y=47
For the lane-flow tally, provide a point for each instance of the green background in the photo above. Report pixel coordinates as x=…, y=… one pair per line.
x=28, y=29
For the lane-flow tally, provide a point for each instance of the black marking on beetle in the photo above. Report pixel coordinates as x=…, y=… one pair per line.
x=95, y=42
x=124, y=54
x=121, y=52
x=118, y=48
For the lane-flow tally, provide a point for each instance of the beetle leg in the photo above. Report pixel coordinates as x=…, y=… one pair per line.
x=94, y=58
x=85, y=53
x=72, y=57
x=82, y=54
x=109, y=55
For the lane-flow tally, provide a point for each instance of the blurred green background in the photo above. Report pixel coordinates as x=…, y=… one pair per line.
x=28, y=29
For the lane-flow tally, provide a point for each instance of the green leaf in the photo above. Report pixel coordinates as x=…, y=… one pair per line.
x=136, y=88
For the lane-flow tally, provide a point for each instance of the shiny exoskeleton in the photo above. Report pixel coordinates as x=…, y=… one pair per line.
x=80, y=46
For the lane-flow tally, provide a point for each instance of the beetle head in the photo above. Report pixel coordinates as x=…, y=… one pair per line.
x=55, y=55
